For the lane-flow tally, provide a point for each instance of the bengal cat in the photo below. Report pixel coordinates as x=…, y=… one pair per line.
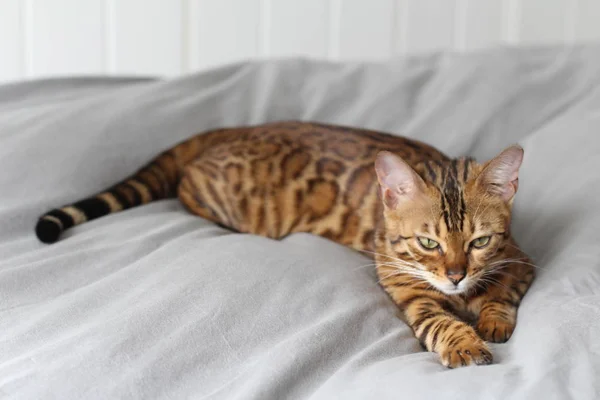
x=438, y=228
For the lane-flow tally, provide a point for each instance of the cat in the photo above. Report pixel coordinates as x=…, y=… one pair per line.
x=437, y=228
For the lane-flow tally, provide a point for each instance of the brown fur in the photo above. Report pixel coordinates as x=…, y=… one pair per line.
x=280, y=178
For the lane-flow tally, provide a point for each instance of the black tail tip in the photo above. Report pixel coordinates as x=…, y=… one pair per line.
x=47, y=231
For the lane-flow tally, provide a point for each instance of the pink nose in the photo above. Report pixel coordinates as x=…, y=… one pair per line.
x=455, y=275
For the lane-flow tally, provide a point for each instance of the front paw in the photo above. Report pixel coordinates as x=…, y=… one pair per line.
x=495, y=330
x=466, y=352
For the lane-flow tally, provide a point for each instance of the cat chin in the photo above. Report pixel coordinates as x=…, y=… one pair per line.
x=450, y=289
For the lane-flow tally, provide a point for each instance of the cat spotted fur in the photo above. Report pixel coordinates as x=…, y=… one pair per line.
x=380, y=194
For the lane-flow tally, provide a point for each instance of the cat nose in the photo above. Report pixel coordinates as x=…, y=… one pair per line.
x=455, y=275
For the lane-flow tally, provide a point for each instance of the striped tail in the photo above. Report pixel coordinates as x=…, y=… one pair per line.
x=158, y=180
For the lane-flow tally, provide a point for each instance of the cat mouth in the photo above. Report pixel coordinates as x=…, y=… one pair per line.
x=454, y=290
x=450, y=289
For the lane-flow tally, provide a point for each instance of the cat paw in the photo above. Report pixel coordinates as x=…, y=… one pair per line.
x=466, y=353
x=495, y=330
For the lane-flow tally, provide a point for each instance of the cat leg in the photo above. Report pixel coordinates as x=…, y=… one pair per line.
x=497, y=307
x=440, y=331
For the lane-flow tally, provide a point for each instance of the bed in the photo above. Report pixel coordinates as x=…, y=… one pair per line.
x=154, y=303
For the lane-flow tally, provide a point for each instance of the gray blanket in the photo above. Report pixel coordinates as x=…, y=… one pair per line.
x=154, y=303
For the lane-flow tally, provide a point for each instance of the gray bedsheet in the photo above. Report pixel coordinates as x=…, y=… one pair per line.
x=154, y=303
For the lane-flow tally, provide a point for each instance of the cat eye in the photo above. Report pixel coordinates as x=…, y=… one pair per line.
x=481, y=242
x=428, y=243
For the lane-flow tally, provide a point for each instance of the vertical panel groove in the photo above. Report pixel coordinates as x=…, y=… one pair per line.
x=109, y=36
x=335, y=15
x=62, y=37
x=460, y=24
x=193, y=51
x=571, y=20
x=265, y=28
x=185, y=36
x=394, y=28
x=402, y=11
x=512, y=21
x=27, y=48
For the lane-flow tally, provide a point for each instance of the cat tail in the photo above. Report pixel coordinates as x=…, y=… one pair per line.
x=157, y=180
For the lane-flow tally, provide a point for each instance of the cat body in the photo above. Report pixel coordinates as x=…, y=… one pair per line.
x=414, y=210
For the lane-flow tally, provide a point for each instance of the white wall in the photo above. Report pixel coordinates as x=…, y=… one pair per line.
x=170, y=37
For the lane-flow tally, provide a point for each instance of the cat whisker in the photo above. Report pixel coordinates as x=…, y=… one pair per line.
x=498, y=271
x=482, y=276
x=410, y=272
x=394, y=263
x=508, y=274
x=507, y=260
x=383, y=278
x=365, y=266
x=399, y=269
x=381, y=255
x=513, y=261
x=384, y=255
x=494, y=282
x=477, y=284
x=398, y=263
x=514, y=246
x=502, y=272
x=415, y=260
x=398, y=273
x=413, y=263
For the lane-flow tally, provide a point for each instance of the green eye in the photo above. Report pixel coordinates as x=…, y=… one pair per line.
x=428, y=243
x=481, y=242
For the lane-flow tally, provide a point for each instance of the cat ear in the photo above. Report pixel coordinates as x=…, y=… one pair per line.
x=397, y=180
x=500, y=176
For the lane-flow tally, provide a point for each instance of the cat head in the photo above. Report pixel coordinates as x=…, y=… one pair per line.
x=449, y=223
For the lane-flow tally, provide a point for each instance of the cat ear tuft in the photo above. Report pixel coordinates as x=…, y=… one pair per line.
x=500, y=176
x=397, y=180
